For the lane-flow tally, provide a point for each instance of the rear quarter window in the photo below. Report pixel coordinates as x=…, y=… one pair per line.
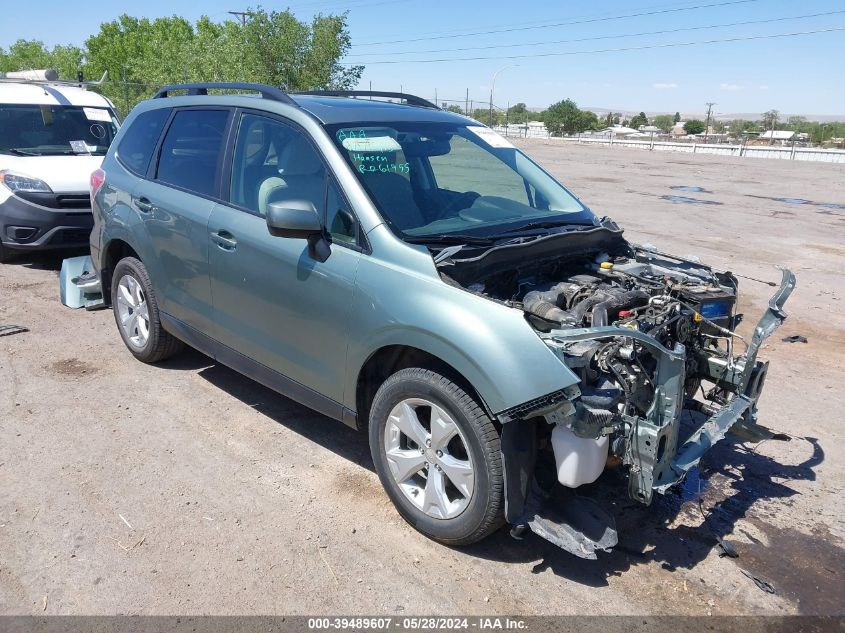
x=139, y=141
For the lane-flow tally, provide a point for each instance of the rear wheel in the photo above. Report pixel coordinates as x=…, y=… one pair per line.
x=136, y=313
x=438, y=456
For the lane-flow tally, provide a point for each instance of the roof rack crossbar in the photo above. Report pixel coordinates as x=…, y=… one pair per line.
x=409, y=99
x=202, y=88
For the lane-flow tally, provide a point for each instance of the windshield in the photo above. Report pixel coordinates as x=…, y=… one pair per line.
x=436, y=179
x=54, y=130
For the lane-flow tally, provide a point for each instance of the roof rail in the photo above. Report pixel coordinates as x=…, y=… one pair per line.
x=202, y=88
x=409, y=99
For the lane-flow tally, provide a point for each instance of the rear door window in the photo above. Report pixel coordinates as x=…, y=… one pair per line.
x=139, y=142
x=191, y=150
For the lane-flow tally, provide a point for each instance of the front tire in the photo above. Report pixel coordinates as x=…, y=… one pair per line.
x=438, y=456
x=136, y=313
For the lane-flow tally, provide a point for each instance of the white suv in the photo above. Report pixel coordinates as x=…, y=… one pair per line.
x=52, y=136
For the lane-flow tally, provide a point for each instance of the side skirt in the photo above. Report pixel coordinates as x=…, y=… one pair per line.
x=258, y=372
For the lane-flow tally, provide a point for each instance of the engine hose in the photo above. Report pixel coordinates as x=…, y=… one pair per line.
x=616, y=302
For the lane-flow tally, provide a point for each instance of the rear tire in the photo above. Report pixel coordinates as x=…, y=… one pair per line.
x=438, y=456
x=136, y=314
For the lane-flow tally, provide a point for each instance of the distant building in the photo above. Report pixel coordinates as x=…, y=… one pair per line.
x=777, y=135
x=618, y=130
x=678, y=129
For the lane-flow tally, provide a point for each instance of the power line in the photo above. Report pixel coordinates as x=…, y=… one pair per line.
x=601, y=50
x=459, y=31
x=570, y=23
x=608, y=37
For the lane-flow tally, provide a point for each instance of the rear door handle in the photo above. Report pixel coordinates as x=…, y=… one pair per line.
x=224, y=240
x=144, y=205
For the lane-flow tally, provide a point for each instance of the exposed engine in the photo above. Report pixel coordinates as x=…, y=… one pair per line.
x=642, y=331
x=645, y=336
x=672, y=302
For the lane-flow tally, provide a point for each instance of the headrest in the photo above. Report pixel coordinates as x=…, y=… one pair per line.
x=299, y=158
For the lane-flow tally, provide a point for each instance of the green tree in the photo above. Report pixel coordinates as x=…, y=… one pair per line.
x=639, y=120
x=455, y=108
x=482, y=115
x=677, y=118
x=770, y=119
x=736, y=127
x=271, y=47
x=564, y=117
x=664, y=121
x=694, y=126
x=518, y=113
x=32, y=54
x=589, y=121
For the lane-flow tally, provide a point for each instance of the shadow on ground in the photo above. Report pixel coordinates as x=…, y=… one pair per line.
x=732, y=478
x=45, y=260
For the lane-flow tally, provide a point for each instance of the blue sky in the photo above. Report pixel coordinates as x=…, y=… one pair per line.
x=794, y=75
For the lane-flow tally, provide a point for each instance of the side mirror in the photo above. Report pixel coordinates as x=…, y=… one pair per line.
x=299, y=219
x=293, y=218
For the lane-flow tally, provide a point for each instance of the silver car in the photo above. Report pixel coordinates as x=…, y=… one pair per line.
x=411, y=273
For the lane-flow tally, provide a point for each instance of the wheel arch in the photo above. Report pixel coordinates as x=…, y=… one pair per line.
x=387, y=360
x=115, y=250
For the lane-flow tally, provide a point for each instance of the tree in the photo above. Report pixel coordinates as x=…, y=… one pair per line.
x=770, y=119
x=664, y=121
x=694, y=126
x=677, y=118
x=589, y=121
x=32, y=54
x=455, y=108
x=270, y=47
x=717, y=126
x=518, y=113
x=564, y=116
x=482, y=115
x=639, y=120
x=736, y=127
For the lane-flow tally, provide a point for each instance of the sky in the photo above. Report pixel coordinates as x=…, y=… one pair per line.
x=557, y=42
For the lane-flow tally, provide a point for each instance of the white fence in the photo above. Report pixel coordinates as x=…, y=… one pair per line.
x=754, y=151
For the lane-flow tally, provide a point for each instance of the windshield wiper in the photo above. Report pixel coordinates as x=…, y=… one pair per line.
x=450, y=238
x=547, y=224
x=21, y=152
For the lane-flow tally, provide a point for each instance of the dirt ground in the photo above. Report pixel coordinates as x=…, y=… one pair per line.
x=185, y=488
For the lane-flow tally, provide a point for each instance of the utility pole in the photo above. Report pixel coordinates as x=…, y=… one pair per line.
x=241, y=15
x=466, y=104
x=710, y=105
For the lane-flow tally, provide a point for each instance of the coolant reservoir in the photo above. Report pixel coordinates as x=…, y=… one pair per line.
x=579, y=460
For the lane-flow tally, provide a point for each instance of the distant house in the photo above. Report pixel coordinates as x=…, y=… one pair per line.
x=618, y=130
x=777, y=135
x=678, y=129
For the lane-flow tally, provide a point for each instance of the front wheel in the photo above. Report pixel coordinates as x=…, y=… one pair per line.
x=438, y=456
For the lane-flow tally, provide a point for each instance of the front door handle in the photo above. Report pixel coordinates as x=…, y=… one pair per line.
x=144, y=205
x=224, y=240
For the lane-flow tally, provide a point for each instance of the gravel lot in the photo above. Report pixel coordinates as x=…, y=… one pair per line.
x=186, y=488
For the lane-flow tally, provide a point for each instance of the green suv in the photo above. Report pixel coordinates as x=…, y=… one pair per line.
x=408, y=271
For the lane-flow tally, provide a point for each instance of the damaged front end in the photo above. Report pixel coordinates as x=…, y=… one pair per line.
x=649, y=336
